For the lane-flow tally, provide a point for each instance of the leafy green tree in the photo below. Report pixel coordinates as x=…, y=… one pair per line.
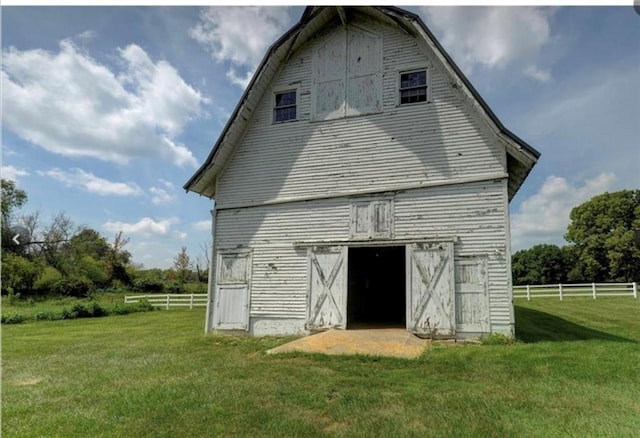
x=12, y=199
x=541, y=264
x=18, y=273
x=602, y=233
x=182, y=264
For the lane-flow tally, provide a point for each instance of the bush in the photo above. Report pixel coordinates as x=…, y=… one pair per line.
x=72, y=287
x=13, y=318
x=497, y=339
x=46, y=316
x=148, y=285
x=18, y=273
x=175, y=288
x=48, y=278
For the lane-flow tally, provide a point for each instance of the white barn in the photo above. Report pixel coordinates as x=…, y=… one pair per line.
x=361, y=180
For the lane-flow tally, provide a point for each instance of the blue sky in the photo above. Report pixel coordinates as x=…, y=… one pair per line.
x=107, y=111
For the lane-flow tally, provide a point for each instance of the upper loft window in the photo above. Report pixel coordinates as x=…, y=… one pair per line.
x=285, y=107
x=413, y=86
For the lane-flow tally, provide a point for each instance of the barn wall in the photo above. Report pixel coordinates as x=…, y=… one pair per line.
x=473, y=212
x=402, y=146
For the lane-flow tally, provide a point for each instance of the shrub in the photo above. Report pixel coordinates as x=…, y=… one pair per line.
x=175, y=288
x=497, y=339
x=72, y=287
x=18, y=273
x=91, y=310
x=12, y=318
x=148, y=285
x=46, y=316
x=47, y=279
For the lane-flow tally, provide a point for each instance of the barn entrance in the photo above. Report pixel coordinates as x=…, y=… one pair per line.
x=376, y=294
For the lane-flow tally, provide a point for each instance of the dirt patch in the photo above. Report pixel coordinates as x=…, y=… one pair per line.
x=27, y=382
x=374, y=342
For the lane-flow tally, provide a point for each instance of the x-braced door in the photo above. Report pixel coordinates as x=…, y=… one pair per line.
x=327, y=288
x=431, y=290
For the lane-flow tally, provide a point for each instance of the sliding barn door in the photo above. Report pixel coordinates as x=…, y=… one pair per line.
x=327, y=288
x=431, y=292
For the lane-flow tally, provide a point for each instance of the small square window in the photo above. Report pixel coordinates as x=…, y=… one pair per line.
x=413, y=86
x=285, y=107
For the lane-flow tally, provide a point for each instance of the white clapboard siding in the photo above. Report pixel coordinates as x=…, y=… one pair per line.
x=400, y=146
x=474, y=213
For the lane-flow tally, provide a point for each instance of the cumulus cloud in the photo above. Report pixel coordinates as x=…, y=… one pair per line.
x=88, y=182
x=223, y=33
x=70, y=104
x=202, y=225
x=161, y=196
x=493, y=37
x=13, y=173
x=144, y=227
x=544, y=216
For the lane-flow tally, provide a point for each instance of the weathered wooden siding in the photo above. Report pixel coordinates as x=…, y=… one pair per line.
x=472, y=212
x=401, y=146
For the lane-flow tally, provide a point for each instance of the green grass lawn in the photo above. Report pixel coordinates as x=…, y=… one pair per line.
x=157, y=374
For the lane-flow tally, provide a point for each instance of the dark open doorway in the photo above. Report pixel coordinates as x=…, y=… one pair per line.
x=376, y=293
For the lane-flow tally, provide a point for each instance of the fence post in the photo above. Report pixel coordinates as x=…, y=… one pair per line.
x=168, y=300
x=191, y=302
x=560, y=290
x=528, y=293
x=635, y=290
x=593, y=287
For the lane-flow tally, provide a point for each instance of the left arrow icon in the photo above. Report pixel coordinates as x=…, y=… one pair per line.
x=15, y=239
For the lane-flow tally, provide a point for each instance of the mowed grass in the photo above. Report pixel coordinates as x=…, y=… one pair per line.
x=157, y=374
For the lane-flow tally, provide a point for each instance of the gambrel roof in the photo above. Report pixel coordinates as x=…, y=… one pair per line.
x=521, y=157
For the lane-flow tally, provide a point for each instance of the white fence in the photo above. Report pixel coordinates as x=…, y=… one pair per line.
x=171, y=300
x=593, y=290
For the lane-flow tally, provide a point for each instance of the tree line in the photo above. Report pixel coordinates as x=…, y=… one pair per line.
x=58, y=257
x=602, y=245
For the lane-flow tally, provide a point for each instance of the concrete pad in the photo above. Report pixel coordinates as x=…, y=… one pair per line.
x=396, y=342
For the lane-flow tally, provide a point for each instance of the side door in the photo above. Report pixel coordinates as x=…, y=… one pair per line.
x=430, y=290
x=472, y=298
x=233, y=279
x=327, y=294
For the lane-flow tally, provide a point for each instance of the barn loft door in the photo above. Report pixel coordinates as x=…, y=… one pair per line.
x=231, y=303
x=327, y=288
x=431, y=301
x=347, y=74
x=472, y=299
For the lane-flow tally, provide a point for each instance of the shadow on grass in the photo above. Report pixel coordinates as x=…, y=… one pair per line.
x=536, y=326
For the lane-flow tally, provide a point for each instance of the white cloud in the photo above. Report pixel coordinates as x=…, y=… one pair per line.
x=544, y=216
x=167, y=184
x=239, y=80
x=70, y=104
x=13, y=173
x=223, y=33
x=202, y=225
x=161, y=196
x=144, y=227
x=493, y=37
x=88, y=182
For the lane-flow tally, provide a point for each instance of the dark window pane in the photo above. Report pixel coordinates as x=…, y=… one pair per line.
x=285, y=108
x=284, y=99
x=284, y=114
x=413, y=79
x=413, y=95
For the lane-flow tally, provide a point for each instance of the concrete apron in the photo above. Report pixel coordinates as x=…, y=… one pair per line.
x=396, y=342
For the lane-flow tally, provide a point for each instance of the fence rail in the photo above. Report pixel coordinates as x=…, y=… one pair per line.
x=593, y=290
x=171, y=300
